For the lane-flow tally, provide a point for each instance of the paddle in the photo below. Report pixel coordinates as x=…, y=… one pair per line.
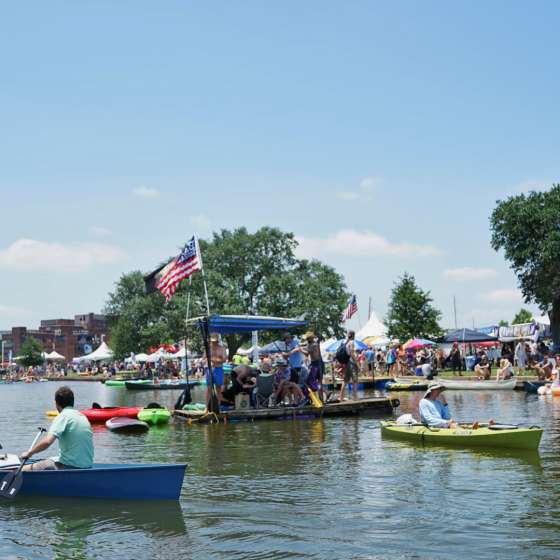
x=11, y=483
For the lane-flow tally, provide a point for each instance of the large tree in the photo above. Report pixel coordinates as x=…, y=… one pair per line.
x=31, y=352
x=527, y=228
x=411, y=313
x=246, y=273
x=522, y=316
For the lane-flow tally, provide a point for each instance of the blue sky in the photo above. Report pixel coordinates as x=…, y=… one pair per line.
x=380, y=133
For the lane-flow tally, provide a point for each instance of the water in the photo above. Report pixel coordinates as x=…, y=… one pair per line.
x=297, y=489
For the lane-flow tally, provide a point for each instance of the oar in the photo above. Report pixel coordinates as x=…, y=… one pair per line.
x=12, y=482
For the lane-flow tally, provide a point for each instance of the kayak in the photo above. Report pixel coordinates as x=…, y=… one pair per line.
x=104, y=414
x=121, y=382
x=533, y=386
x=105, y=480
x=161, y=386
x=127, y=425
x=154, y=415
x=510, y=438
x=415, y=386
x=478, y=385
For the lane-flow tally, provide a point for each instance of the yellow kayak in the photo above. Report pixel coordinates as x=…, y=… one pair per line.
x=503, y=437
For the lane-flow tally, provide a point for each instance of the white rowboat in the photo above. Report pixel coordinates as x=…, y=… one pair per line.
x=478, y=385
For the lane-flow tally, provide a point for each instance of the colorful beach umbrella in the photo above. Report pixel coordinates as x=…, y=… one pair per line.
x=332, y=348
x=415, y=343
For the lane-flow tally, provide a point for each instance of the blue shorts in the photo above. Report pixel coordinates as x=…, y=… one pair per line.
x=217, y=375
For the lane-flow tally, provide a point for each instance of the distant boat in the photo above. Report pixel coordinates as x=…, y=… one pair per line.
x=453, y=384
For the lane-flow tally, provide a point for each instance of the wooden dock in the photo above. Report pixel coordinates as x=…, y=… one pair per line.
x=376, y=406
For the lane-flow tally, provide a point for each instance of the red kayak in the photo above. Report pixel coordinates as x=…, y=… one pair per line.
x=104, y=414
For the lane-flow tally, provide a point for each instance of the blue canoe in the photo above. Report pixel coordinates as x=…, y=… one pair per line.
x=105, y=480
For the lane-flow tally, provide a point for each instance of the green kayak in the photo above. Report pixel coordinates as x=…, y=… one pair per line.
x=154, y=415
x=503, y=437
x=121, y=382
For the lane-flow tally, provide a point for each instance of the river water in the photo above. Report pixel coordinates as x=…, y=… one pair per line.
x=328, y=488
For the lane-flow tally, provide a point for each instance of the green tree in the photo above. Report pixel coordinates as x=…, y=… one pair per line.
x=503, y=323
x=246, y=273
x=30, y=352
x=522, y=316
x=411, y=313
x=527, y=228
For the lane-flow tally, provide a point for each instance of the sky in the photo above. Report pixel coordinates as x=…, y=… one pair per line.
x=380, y=133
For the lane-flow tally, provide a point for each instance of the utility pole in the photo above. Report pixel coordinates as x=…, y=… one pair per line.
x=455, y=311
x=369, y=308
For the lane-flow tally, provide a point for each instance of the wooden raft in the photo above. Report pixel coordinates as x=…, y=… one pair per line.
x=372, y=406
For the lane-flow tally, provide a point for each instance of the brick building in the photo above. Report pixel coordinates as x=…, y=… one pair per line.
x=69, y=337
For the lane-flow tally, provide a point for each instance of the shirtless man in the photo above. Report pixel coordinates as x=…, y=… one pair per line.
x=218, y=357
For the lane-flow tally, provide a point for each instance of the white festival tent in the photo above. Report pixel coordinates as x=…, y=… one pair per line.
x=103, y=352
x=374, y=328
x=247, y=351
x=54, y=355
x=140, y=358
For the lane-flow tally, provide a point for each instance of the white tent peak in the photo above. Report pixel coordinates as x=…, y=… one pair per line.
x=373, y=328
x=103, y=352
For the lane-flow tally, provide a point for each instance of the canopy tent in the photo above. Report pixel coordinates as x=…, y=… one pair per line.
x=54, y=355
x=248, y=351
x=103, y=352
x=334, y=346
x=140, y=358
x=161, y=354
x=373, y=328
x=181, y=353
x=228, y=324
x=273, y=348
x=465, y=336
x=415, y=343
x=542, y=320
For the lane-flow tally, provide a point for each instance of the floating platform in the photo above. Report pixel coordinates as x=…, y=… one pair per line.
x=376, y=406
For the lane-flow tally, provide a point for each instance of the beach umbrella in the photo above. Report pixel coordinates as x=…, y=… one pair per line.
x=333, y=347
x=415, y=343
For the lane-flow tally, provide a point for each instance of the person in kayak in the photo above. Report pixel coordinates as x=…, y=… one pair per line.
x=74, y=434
x=434, y=410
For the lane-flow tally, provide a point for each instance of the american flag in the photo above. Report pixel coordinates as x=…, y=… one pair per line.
x=351, y=308
x=179, y=268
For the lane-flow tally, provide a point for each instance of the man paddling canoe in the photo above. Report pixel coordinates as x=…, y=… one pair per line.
x=434, y=410
x=74, y=434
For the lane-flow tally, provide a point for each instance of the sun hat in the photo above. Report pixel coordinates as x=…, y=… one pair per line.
x=433, y=387
x=308, y=335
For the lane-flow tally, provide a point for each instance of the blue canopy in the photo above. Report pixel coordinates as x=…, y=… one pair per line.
x=466, y=336
x=227, y=324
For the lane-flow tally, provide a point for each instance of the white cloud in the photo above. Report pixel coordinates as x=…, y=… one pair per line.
x=30, y=254
x=12, y=310
x=145, y=192
x=502, y=296
x=354, y=243
x=201, y=222
x=99, y=231
x=349, y=196
x=469, y=273
x=367, y=184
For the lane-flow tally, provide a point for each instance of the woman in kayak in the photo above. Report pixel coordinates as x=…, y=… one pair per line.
x=434, y=410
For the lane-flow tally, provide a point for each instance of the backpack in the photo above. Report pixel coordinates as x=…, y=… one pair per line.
x=342, y=356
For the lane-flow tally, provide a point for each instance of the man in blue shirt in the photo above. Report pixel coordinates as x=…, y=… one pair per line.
x=434, y=410
x=293, y=353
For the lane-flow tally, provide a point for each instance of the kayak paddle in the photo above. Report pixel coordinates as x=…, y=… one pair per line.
x=11, y=483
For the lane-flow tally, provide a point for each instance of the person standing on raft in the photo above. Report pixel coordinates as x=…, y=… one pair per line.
x=74, y=434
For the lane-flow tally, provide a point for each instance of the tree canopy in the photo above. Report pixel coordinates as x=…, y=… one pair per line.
x=30, y=352
x=246, y=273
x=527, y=228
x=411, y=313
x=522, y=316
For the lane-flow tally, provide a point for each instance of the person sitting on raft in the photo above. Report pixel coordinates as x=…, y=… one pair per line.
x=74, y=434
x=434, y=410
x=284, y=387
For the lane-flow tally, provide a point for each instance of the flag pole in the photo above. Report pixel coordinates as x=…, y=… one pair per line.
x=203, y=277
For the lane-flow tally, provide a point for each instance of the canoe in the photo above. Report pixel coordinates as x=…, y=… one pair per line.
x=415, y=386
x=104, y=414
x=478, y=385
x=154, y=415
x=161, y=386
x=126, y=425
x=105, y=480
x=517, y=438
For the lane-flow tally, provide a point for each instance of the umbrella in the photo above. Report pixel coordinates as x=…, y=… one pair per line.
x=332, y=348
x=415, y=343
